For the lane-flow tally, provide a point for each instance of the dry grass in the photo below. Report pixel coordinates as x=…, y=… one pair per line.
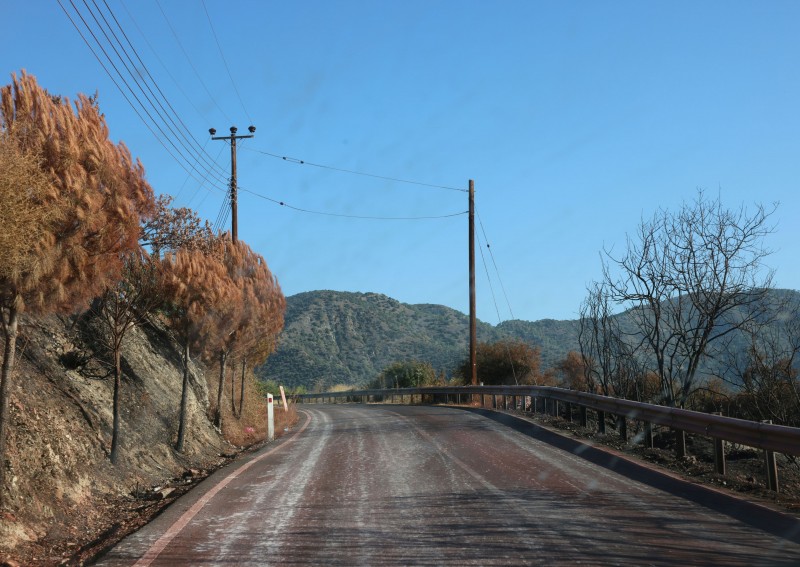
x=250, y=427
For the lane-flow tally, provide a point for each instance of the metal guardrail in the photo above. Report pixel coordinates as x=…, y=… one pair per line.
x=776, y=438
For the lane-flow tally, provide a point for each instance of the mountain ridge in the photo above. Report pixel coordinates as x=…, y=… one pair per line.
x=334, y=337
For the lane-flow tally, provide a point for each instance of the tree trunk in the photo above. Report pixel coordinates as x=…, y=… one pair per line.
x=9, y=351
x=233, y=389
x=115, y=427
x=184, y=399
x=223, y=357
x=241, y=396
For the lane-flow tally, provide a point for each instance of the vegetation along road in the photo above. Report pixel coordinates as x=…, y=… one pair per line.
x=397, y=485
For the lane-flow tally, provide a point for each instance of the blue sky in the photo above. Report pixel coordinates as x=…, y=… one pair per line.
x=575, y=119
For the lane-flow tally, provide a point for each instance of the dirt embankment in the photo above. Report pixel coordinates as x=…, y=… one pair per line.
x=63, y=497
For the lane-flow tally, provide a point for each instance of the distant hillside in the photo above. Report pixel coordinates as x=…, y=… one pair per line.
x=348, y=338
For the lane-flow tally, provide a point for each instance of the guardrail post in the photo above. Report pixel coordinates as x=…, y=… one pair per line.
x=649, y=441
x=623, y=427
x=680, y=443
x=719, y=453
x=568, y=410
x=719, y=456
x=772, y=470
x=601, y=421
x=556, y=408
x=772, y=466
x=482, y=404
x=584, y=418
x=514, y=403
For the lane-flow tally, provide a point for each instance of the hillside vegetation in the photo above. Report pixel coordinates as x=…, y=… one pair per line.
x=334, y=338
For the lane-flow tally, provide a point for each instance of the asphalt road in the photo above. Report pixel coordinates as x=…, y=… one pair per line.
x=396, y=485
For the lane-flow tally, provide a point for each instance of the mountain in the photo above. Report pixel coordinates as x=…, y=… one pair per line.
x=335, y=338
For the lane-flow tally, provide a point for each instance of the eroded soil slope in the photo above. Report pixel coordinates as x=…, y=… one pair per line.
x=62, y=491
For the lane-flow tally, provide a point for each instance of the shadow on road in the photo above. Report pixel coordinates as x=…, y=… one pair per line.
x=755, y=515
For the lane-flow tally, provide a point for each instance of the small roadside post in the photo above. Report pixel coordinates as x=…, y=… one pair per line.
x=283, y=399
x=270, y=419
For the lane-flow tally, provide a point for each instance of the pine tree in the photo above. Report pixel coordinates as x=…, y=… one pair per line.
x=84, y=218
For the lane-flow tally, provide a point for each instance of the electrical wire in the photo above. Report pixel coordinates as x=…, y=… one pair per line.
x=353, y=172
x=497, y=309
x=136, y=110
x=194, y=160
x=223, y=214
x=197, y=74
x=156, y=106
x=163, y=65
x=340, y=215
x=497, y=271
x=222, y=55
x=203, y=185
x=187, y=135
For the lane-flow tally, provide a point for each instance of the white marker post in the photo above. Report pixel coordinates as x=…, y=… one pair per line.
x=270, y=419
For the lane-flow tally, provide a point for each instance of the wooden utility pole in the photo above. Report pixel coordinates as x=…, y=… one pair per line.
x=473, y=327
x=234, y=209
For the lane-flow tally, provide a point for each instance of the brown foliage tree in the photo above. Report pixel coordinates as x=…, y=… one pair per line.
x=120, y=308
x=170, y=228
x=505, y=362
x=101, y=195
x=572, y=373
x=192, y=284
x=262, y=313
x=229, y=316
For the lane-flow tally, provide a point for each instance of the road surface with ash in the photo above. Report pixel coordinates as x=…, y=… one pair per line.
x=399, y=485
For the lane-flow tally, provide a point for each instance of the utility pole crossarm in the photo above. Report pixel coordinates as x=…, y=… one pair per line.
x=232, y=138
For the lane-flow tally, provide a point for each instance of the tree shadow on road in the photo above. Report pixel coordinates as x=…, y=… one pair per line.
x=755, y=515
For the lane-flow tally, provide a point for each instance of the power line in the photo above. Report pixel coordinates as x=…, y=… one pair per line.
x=222, y=55
x=157, y=107
x=496, y=308
x=202, y=185
x=187, y=133
x=116, y=83
x=139, y=108
x=353, y=172
x=491, y=254
x=163, y=65
x=363, y=217
x=222, y=215
x=164, y=121
x=175, y=35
